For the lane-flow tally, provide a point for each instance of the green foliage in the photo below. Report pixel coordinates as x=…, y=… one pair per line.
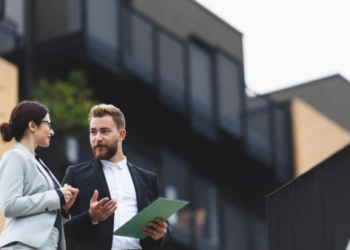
x=69, y=101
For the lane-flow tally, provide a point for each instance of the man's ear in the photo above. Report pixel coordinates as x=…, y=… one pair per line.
x=122, y=134
x=32, y=126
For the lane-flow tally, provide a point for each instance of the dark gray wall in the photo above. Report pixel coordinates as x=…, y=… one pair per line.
x=330, y=96
x=186, y=17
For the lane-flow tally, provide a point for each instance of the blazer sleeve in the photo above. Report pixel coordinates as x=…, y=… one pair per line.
x=80, y=223
x=169, y=230
x=13, y=202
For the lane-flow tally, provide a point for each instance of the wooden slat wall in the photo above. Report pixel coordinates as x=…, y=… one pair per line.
x=8, y=100
x=312, y=211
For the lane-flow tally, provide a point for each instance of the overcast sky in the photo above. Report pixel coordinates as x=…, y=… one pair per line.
x=289, y=42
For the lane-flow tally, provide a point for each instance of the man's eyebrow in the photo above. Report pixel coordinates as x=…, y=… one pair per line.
x=100, y=128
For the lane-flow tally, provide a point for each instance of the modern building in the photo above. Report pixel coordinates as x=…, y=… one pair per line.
x=177, y=72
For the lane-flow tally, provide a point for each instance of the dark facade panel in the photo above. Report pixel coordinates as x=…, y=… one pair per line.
x=312, y=212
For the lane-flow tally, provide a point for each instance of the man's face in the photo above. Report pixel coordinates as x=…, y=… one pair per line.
x=104, y=137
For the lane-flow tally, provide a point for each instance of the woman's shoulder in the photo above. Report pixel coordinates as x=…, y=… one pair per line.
x=14, y=155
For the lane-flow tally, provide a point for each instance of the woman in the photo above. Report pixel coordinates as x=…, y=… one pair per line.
x=30, y=196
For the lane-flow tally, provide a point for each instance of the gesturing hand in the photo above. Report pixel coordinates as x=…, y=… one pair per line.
x=101, y=210
x=74, y=192
x=158, y=230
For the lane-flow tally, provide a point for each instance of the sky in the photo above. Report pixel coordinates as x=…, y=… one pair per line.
x=289, y=42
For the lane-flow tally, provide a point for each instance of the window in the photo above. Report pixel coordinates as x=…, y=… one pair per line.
x=2, y=9
x=235, y=228
x=228, y=94
x=176, y=177
x=171, y=71
x=102, y=29
x=205, y=215
x=201, y=89
x=139, y=46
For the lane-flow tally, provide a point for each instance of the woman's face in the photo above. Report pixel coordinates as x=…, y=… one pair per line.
x=44, y=132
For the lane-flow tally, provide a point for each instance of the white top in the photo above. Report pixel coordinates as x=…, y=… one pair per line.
x=122, y=190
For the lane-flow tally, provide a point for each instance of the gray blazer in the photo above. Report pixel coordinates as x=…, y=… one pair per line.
x=27, y=199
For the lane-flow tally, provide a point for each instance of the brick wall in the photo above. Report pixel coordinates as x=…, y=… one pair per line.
x=315, y=136
x=8, y=100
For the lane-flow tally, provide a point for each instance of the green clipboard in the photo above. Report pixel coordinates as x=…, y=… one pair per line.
x=160, y=207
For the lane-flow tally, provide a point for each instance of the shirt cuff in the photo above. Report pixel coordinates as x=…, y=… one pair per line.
x=60, y=194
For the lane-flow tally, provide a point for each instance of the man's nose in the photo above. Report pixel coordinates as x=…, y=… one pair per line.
x=99, y=137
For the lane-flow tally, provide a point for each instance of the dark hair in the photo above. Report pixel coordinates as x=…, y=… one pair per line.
x=21, y=115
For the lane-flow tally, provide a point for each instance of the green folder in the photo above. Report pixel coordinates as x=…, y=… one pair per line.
x=160, y=207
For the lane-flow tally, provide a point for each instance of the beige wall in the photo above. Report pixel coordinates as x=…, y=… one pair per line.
x=8, y=99
x=315, y=136
x=185, y=17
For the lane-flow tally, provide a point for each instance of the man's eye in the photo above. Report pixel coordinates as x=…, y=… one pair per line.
x=105, y=131
x=92, y=132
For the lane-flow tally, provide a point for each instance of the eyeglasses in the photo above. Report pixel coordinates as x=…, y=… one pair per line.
x=49, y=123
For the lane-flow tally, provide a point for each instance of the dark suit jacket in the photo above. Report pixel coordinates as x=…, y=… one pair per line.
x=88, y=177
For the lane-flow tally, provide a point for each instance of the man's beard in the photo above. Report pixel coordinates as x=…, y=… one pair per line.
x=108, y=153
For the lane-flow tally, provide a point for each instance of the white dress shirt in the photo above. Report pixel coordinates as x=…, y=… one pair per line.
x=122, y=190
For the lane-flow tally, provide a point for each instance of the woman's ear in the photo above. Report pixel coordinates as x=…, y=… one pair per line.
x=32, y=126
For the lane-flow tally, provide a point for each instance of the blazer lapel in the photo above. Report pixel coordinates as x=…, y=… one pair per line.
x=97, y=166
x=136, y=179
x=53, y=176
x=43, y=171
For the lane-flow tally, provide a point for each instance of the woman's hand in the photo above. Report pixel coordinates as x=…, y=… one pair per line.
x=70, y=194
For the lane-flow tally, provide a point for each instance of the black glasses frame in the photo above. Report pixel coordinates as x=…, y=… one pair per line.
x=49, y=123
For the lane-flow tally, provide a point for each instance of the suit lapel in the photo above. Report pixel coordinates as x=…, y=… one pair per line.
x=52, y=175
x=136, y=179
x=97, y=166
x=41, y=169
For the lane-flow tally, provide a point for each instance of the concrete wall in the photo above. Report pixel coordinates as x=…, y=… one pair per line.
x=329, y=95
x=8, y=99
x=186, y=17
x=315, y=136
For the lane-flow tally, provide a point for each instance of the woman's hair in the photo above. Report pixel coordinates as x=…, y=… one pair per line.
x=21, y=115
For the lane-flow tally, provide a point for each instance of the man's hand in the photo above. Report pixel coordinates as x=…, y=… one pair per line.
x=101, y=210
x=158, y=230
x=74, y=192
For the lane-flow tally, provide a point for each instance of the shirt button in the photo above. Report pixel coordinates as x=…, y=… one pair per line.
x=46, y=209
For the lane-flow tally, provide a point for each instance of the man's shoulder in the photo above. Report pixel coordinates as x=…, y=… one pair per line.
x=142, y=170
x=81, y=166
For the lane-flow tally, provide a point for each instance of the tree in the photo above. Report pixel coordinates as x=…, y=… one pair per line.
x=69, y=102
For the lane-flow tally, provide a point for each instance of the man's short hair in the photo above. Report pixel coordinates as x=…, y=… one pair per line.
x=102, y=109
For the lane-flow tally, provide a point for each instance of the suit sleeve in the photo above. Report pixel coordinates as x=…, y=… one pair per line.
x=169, y=230
x=13, y=202
x=80, y=223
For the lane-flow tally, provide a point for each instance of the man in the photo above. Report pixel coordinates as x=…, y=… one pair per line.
x=119, y=190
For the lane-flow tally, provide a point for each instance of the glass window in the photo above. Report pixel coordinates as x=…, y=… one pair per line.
x=7, y=38
x=52, y=19
x=139, y=46
x=14, y=10
x=2, y=9
x=201, y=90
x=139, y=160
x=102, y=29
x=258, y=129
x=259, y=234
x=235, y=228
x=228, y=94
x=171, y=70
x=205, y=215
x=176, y=179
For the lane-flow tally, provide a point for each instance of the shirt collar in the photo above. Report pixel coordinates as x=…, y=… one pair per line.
x=119, y=165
